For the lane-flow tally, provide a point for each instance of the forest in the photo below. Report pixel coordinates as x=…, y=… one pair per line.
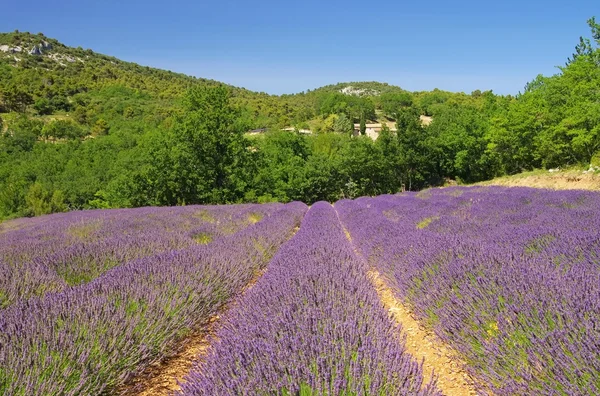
x=81, y=130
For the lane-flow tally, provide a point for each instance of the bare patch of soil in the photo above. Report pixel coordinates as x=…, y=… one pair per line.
x=569, y=180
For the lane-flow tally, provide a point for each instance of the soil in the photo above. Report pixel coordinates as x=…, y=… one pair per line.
x=564, y=180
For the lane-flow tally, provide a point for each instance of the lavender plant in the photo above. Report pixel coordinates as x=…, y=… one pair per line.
x=313, y=324
x=51, y=253
x=90, y=338
x=509, y=277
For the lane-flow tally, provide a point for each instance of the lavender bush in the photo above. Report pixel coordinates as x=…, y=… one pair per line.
x=509, y=277
x=90, y=338
x=313, y=324
x=50, y=253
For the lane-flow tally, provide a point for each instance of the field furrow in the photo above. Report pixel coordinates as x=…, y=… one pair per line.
x=507, y=277
x=313, y=324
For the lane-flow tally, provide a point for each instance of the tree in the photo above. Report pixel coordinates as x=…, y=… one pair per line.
x=363, y=125
x=12, y=198
x=62, y=129
x=212, y=131
x=412, y=149
x=100, y=128
x=585, y=47
x=343, y=124
x=330, y=122
x=391, y=103
x=43, y=106
x=40, y=201
x=22, y=134
x=15, y=99
x=202, y=159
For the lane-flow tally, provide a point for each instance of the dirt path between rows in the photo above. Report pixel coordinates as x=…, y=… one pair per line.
x=163, y=378
x=437, y=357
x=425, y=346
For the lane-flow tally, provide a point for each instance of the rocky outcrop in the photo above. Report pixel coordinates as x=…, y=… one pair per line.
x=350, y=90
x=9, y=49
x=46, y=46
x=35, y=50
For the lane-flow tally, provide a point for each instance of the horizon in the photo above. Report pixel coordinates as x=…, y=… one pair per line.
x=287, y=49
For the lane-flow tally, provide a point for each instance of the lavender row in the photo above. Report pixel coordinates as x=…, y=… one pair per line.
x=313, y=324
x=90, y=339
x=509, y=277
x=50, y=253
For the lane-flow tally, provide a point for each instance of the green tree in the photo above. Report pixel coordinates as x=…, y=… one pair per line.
x=100, y=128
x=343, y=124
x=43, y=106
x=412, y=149
x=330, y=122
x=12, y=198
x=22, y=134
x=40, y=201
x=392, y=102
x=61, y=129
x=15, y=99
x=203, y=159
x=363, y=125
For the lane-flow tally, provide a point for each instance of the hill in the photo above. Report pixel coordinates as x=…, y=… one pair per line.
x=44, y=76
x=81, y=130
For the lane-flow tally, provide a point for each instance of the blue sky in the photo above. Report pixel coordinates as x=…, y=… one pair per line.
x=286, y=47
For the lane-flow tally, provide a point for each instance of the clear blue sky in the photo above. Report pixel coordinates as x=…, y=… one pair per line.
x=279, y=46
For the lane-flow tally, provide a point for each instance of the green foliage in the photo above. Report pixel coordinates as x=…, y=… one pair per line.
x=363, y=125
x=14, y=98
x=352, y=106
x=40, y=201
x=595, y=161
x=62, y=129
x=43, y=106
x=391, y=103
x=343, y=124
x=201, y=160
x=84, y=130
x=100, y=128
x=21, y=135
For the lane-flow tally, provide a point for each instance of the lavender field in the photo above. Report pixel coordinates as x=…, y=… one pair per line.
x=509, y=278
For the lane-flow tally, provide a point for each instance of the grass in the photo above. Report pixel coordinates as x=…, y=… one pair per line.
x=203, y=238
x=204, y=215
x=85, y=272
x=255, y=217
x=567, y=178
x=83, y=231
x=539, y=244
x=426, y=221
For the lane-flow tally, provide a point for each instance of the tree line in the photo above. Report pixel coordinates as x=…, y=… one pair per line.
x=124, y=138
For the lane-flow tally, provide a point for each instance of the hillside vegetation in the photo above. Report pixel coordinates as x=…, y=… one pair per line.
x=84, y=130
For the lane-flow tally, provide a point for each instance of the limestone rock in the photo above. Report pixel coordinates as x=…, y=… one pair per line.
x=35, y=50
